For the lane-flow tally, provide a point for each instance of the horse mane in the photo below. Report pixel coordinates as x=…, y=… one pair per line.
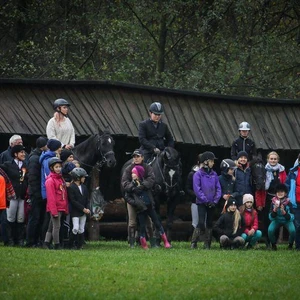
x=172, y=153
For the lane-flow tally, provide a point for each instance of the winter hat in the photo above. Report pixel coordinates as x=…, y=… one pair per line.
x=281, y=188
x=16, y=149
x=65, y=154
x=41, y=142
x=248, y=198
x=68, y=167
x=139, y=171
x=230, y=202
x=138, y=152
x=242, y=153
x=53, y=145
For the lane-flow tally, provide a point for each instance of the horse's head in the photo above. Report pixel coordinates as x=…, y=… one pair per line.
x=105, y=148
x=258, y=172
x=172, y=171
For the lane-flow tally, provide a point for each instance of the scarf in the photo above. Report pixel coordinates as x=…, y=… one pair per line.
x=269, y=174
x=10, y=193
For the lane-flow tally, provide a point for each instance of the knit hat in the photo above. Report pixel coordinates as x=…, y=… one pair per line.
x=138, y=152
x=242, y=153
x=41, y=142
x=248, y=198
x=139, y=171
x=65, y=154
x=281, y=188
x=16, y=149
x=53, y=145
x=230, y=202
x=68, y=167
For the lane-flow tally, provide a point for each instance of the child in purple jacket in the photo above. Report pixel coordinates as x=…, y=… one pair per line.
x=207, y=189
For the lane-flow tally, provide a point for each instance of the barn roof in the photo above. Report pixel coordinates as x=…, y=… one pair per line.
x=194, y=118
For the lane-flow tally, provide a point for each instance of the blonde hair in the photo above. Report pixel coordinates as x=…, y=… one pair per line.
x=273, y=153
x=237, y=220
x=58, y=118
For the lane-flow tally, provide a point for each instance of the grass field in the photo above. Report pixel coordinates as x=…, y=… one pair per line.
x=111, y=270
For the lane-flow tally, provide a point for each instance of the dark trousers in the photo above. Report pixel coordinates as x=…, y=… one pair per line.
x=297, y=225
x=4, y=224
x=35, y=221
x=206, y=215
x=143, y=216
x=266, y=220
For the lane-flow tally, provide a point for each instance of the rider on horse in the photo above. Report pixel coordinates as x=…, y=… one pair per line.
x=154, y=135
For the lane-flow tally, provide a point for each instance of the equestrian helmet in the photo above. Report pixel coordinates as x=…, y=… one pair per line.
x=244, y=126
x=207, y=156
x=77, y=173
x=156, y=108
x=60, y=102
x=227, y=164
x=54, y=160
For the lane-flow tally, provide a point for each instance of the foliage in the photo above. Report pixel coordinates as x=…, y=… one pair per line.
x=111, y=270
x=220, y=46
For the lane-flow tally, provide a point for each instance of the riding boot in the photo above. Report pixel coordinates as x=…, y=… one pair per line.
x=169, y=235
x=131, y=236
x=208, y=238
x=165, y=240
x=80, y=241
x=144, y=243
x=195, y=238
x=72, y=240
x=20, y=232
x=10, y=231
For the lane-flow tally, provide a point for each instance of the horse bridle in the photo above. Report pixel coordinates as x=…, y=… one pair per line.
x=163, y=177
x=99, y=164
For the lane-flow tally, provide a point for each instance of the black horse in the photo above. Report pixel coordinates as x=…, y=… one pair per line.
x=258, y=173
x=168, y=178
x=98, y=150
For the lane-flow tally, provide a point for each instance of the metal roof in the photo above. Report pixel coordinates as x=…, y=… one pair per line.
x=194, y=118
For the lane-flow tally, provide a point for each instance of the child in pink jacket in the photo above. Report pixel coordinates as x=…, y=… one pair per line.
x=57, y=201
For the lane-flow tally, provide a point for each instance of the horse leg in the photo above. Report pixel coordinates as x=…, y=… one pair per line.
x=171, y=206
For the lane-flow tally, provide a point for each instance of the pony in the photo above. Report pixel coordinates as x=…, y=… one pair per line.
x=258, y=172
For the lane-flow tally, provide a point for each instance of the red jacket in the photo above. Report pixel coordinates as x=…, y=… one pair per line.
x=251, y=221
x=56, y=191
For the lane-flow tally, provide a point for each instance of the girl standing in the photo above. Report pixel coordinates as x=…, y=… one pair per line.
x=57, y=201
x=79, y=203
x=207, y=189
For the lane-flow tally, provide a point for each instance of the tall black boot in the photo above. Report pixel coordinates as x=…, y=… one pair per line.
x=208, y=238
x=80, y=241
x=131, y=236
x=71, y=240
x=195, y=238
x=10, y=230
x=20, y=232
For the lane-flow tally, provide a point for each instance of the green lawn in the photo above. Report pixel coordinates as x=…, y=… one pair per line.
x=111, y=270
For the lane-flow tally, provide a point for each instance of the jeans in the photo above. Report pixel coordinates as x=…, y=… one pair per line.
x=143, y=216
x=297, y=225
x=252, y=239
x=288, y=225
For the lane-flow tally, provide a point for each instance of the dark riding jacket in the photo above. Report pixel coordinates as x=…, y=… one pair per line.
x=243, y=144
x=78, y=201
x=34, y=174
x=152, y=137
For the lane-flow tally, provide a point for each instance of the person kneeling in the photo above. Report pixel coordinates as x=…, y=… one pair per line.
x=281, y=214
x=229, y=227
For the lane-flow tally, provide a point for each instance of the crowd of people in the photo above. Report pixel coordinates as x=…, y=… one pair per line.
x=50, y=185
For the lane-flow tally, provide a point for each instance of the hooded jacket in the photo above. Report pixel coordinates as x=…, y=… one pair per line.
x=57, y=196
x=206, y=187
x=45, y=171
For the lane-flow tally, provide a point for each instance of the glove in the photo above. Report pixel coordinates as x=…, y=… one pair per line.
x=138, y=190
x=156, y=151
x=211, y=205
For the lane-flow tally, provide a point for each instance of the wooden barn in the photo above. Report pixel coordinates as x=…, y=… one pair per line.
x=198, y=122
